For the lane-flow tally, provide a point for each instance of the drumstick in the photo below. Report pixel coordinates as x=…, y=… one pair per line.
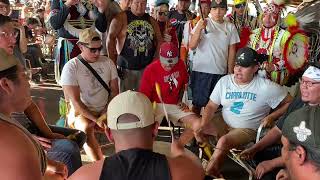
x=158, y=90
x=101, y=119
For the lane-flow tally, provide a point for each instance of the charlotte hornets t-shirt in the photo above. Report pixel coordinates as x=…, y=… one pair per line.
x=244, y=106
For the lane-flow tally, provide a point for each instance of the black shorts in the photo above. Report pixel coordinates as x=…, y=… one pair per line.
x=202, y=85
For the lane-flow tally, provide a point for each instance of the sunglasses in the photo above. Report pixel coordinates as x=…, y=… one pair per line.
x=94, y=50
x=163, y=13
x=238, y=6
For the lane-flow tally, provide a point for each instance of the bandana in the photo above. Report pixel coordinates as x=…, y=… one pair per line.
x=312, y=73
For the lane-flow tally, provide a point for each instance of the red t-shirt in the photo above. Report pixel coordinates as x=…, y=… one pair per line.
x=171, y=82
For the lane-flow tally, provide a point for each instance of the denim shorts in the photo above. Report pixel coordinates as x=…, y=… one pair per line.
x=202, y=85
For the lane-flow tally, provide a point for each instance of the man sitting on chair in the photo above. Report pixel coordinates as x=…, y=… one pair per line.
x=171, y=74
x=87, y=96
x=247, y=100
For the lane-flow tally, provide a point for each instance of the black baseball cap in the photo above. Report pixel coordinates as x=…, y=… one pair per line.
x=246, y=57
x=219, y=3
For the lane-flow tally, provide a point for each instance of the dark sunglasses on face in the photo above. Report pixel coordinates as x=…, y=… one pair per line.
x=94, y=50
x=238, y=6
x=163, y=13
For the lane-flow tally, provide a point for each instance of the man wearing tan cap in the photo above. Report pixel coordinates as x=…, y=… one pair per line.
x=132, y=128
x=21, y=156
x=87, y=95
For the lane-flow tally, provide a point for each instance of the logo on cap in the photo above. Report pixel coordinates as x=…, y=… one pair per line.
x=302, y=132
x=241, y=56
x=169, y=54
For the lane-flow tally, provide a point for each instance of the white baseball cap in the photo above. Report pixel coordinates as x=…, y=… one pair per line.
x=130, y=102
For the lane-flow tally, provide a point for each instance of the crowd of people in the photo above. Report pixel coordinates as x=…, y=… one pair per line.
x=124, y=70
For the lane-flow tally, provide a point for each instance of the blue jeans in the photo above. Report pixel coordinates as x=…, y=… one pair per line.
x=80, y=137
x=202, y=85
x=62, y=150
x=65, y=150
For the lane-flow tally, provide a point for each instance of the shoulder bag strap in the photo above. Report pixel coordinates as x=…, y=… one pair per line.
x=95, y=74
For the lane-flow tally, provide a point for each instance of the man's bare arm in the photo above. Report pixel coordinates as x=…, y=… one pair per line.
x=273, y=136
x=208, y=113
x=90, y=171
x=19, y=159
x=196, y=36
x=114, y=88
x=114, y=31
x=158, y=36
x=34, y=114
x=178, y=166
x=195, y=39
x=73, y=93
x=231, y=58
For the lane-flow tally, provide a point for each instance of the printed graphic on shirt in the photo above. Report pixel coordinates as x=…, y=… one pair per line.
x=241, y=95
x=238, y=105
x=175, y=22
x=95, y=85
x=141, y=35
x=172, y=80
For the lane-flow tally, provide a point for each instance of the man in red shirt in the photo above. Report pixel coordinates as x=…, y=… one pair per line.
x=171, y=74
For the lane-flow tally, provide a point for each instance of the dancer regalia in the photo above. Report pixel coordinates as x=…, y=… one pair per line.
x=285, y=52
x=244, y=22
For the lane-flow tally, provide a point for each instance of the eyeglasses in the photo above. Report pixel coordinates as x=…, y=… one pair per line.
x=238, y=6
x=6, y=34
x=163, y=13
x=307, y=83
x=94, y=50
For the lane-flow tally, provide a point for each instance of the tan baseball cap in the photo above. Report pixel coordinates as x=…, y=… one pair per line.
x=87, y=35
x=130, y=102
x=7, y=61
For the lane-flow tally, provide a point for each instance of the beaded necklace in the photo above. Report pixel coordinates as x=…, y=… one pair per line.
x=270, y=49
